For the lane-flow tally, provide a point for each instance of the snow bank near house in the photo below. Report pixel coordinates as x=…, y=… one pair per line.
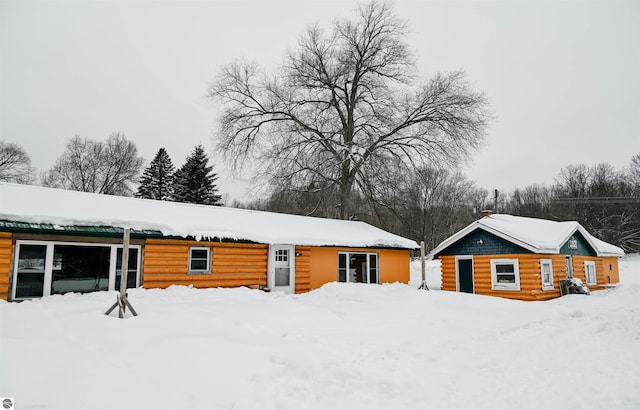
x=344, y=346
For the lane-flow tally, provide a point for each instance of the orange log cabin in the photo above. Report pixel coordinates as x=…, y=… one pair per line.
x=54, y=241
x=525, y=258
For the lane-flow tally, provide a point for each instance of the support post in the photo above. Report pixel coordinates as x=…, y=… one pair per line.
x=423, y=285
x=121, y=299
x=124, y=271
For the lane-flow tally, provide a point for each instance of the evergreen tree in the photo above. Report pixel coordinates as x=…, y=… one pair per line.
x=195, y=180
x=158, y=179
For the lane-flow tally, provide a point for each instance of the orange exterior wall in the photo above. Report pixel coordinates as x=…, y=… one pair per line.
x=606, y=270
x=610, y=270
x=6, y=251
x=303, y=269
x=165, y=263
x=394, y=264
x=233, y=264
x=530, y=274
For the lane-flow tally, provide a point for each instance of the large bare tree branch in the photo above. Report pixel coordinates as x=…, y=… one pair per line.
x=344, y=98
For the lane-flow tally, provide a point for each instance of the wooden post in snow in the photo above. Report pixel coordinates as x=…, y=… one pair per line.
x=121, y=299
x=423, y=285
x=124, y=271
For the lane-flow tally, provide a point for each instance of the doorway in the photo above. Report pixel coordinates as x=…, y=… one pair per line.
x=281, y=276
x=464, y=274
x=569, y=262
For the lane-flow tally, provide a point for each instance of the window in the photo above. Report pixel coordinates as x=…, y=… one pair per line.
x=505, y=274
x=358, y=267
x=80, y=269
x=199, y=260
x=590, y=272
x=546, y=271
x=44, y=268
x=282, y=255
x=30, y=272
x=131, y=272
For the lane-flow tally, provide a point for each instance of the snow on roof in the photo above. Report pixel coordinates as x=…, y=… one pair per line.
x=34, y=204
x=536, y=235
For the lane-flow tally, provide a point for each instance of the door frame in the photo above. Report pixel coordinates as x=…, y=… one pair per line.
x=271, y=271
x=473, y=282
x=569, y=266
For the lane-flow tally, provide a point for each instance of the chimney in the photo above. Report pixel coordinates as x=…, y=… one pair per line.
x=486, y=212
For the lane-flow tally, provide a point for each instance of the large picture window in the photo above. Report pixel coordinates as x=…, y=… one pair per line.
x=80, y=268
x=546, y=273
x=505, y=274
x=45, y=268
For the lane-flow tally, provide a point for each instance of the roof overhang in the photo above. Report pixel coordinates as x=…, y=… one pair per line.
x=596, y=244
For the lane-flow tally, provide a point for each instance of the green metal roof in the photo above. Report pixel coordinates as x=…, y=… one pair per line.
x=75, y=230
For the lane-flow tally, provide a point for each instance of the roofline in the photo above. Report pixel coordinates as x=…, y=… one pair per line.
x=478, y=225
x=94, y=231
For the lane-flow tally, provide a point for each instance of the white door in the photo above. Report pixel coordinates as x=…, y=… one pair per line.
x=282, y=268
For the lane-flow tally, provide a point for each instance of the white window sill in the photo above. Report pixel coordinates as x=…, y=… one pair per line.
x=494, y=287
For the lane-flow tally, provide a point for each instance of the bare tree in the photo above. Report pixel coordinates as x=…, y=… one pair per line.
x=109, y=167
x=15, y=164
x=603, y=200
x=634, y=174
x=533, y=201
x=344, y=99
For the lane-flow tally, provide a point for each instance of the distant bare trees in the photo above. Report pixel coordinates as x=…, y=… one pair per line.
x=428, y=204
x=344, y=104
x=109, y=167
x=15, y=164
x=604, y=200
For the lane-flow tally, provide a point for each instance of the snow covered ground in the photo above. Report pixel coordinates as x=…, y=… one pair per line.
x=344, y=346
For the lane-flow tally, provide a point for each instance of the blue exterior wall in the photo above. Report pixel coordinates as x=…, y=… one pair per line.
x=582, y=246
x=481, y=242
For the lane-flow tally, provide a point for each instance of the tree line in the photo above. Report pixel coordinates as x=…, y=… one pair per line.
x=432, y=204
x=113, y=167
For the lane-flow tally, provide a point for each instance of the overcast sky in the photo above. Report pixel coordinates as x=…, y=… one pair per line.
x=563, y=78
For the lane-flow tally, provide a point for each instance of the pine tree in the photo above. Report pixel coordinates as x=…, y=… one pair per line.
x=195, y=180
x=157, y=181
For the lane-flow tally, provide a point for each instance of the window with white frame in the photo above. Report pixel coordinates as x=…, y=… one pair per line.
x=358, y=267
x=282, y=255
x=590, y=272
x=44, y=268
x=199, y=259
x=546, y=272
x=505, y=274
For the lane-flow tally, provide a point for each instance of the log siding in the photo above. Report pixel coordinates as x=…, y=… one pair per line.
x=6, y=256
x=530, y=274
x=166, y=263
